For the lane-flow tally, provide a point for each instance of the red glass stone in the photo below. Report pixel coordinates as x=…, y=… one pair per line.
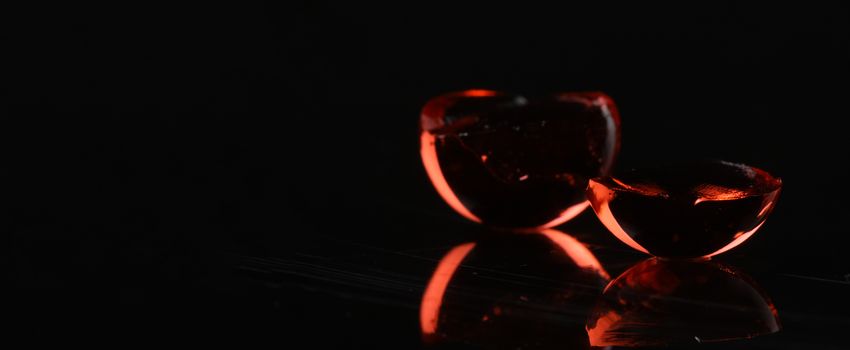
x=696, y=209
x=505, y=161
x=512, y=291
x=664, y=302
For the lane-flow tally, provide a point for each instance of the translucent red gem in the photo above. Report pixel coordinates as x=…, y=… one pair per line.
x=695, y=209
x=507, y=161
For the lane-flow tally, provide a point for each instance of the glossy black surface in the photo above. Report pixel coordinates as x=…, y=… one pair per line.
x=357, y=286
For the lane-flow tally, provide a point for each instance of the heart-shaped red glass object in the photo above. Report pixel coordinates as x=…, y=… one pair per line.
x=687, y=210
x=506, y=161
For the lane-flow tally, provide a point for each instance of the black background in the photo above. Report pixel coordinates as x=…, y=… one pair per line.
x=147, y=146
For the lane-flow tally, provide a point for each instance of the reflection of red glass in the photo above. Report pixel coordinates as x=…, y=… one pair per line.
x=663, y=302
x=502, y=160
x=512, y=290
x=697, y=209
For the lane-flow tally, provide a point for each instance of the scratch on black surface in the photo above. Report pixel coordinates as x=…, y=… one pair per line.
x=406, y=252
x=819, y=279
x=364, y=282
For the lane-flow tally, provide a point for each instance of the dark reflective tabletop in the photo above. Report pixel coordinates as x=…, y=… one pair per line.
x=573, y=287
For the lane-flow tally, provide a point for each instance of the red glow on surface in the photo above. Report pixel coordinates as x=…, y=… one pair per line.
x=645, y=189
x=478, y=93
x=432, y=167
x=598, y=334
x=766, y=208
x=566, y=215
x=714, y=193
x=611, y=223
x=429, y=312
x=577, y=251
x=739, y=238
x=604, y=213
